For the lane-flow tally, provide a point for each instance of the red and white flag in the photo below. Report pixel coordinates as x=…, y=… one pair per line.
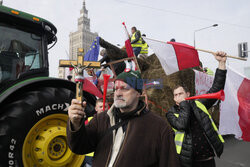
x=129, y=65
x=235, y=110
x=128, y=46
x=174, y=56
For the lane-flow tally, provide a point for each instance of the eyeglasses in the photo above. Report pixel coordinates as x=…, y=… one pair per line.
x=122, y=88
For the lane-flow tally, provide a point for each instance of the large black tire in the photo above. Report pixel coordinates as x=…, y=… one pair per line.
x=19, y=117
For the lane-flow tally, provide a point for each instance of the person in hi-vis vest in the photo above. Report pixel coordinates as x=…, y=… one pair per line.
x=136, y=41
x=208, y=71
x=197, y=138
x=144, y=48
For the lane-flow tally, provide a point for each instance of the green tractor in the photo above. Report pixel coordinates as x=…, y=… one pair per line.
x=33, y=107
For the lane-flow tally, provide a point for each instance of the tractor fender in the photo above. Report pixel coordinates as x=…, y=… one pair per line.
x=34, y=83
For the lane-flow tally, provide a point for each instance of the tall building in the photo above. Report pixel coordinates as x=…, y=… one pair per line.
x=83, y=37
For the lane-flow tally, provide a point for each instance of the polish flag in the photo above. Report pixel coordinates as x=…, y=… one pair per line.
x=174, y=56
x=130, y=52
x=128, y=46
x=235, y=110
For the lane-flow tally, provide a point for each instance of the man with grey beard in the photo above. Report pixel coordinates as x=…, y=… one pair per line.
x=127, y=134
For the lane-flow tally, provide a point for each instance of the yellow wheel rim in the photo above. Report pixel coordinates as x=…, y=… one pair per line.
x=46, y=144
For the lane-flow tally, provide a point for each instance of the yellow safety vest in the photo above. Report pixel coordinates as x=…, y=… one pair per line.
x=179, y=135
x=210, y=72
x=138, y=43
x=90, y=154
x=204, y=109
x=144, y=48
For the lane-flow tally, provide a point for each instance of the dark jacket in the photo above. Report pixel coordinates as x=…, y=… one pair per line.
x=183, y=121
x=118, y=67
x=148, y=141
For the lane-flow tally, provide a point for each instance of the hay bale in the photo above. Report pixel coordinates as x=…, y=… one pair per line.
x=164, y=97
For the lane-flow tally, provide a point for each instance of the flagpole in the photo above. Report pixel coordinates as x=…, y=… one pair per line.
x=155, y=40
x=203, y=50
x=127, y=33
x=135, y=59
x=234, y=57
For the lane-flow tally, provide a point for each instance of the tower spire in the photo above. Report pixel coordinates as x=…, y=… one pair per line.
x=84, y=4
x=84, y=11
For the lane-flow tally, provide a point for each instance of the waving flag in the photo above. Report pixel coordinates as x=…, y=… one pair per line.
x=235, y=110
x=92, y=54
x=174, y=56
x=128, y=46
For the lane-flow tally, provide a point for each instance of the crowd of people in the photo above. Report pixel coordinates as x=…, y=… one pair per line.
x=129, y=134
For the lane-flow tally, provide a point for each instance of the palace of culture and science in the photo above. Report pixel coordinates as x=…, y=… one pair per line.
x=82, y=38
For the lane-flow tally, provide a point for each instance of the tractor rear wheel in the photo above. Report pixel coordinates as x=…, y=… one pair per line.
x=33, y=129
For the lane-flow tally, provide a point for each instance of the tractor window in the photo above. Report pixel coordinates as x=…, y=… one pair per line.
x=20, y=52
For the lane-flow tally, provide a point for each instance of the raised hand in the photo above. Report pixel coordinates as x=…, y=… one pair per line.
x=76, y=112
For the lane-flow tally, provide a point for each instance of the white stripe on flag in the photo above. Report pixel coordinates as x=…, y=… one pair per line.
x=166, y=55
x=229, y=117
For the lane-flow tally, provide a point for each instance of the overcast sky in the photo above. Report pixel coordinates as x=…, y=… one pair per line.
x=158, y=19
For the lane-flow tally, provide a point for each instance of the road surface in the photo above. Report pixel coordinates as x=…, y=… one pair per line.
x=236, y=153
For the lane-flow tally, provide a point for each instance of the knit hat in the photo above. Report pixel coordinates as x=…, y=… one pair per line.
x=132, y=78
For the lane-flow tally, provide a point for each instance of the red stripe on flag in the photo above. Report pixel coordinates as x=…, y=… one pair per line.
x=244, y=108
x=129, y=48
x=187, y=56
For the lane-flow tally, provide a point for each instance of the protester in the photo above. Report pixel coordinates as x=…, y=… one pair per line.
x=69, y=77
x=208, y=71
x=144, y=48
x=127, y=134
x=98, y=109
x=136, y=41
x=97, y=75
x=196, y=136
x=172, y=40
x=99, y=105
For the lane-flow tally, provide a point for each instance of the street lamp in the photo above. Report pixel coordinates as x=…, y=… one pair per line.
x=215, y=25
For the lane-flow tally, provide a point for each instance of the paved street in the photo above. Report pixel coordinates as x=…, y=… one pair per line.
x=236, y=153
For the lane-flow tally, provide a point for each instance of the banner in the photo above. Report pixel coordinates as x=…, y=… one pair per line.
x=203, y=82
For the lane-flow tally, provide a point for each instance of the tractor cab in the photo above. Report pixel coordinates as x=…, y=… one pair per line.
x=23, y=46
